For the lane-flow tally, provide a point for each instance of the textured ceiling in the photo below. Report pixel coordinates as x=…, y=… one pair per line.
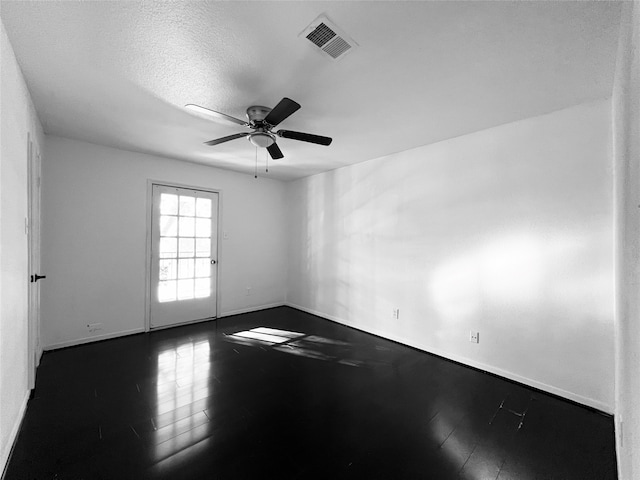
x=119, y=73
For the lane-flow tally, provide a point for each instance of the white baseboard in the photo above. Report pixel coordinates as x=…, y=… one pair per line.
x=590, y=402
x=250, y=309
x=14, y=433
x=95, y=338
x=107, y=336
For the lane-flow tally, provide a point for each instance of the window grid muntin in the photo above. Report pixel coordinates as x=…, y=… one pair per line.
x=176, y=285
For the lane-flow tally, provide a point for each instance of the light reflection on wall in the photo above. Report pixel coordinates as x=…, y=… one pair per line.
x=183, y=378
x=508, y=270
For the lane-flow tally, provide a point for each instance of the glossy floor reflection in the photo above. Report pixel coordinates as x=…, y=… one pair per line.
x=283, y=394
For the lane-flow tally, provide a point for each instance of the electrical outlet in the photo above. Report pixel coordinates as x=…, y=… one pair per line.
x=474, y=337
x=248, y=291
x=396, y=314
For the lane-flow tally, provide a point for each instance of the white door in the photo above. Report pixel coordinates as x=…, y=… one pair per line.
x=184, y=246
x=33, y=223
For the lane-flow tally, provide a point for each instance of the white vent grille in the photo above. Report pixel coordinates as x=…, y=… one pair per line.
x=328, y=38
x=337, y=47
x=321, y=35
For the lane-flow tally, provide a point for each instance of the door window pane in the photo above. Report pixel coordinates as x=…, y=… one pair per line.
x=167, y=291
x=168, y=204
x=168, y=226
x=167, y=270
x=203, y=227
x=183, y=231
x=187, y=206
x=168, y=247
x=203, y=267
x=203, y=247
x=203, y=207
x=185, y=268
x=186, y=247
x=186, y=227
x=185, y=289
x=203, y=287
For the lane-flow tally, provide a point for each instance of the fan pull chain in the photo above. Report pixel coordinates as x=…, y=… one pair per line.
x=255, y=175
x=267, y=156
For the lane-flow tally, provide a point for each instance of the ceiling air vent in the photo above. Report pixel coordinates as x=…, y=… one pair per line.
x=328, y=38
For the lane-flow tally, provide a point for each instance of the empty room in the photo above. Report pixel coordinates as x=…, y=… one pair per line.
x=373, y=239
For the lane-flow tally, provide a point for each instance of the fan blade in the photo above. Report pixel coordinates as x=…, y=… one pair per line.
x=216, y=115
x=218, y=141
x=305, y=137
x=275, y=151
x=282, y=110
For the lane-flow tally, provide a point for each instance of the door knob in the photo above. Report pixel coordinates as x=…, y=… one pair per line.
x=36, y=277
x=213, y=262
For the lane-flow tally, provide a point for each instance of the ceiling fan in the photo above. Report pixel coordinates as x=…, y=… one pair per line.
x=262, y=120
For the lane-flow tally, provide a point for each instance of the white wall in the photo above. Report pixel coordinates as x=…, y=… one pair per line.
x=18, y=120
x=507, y=231
x=626, y=126
x=94, y=238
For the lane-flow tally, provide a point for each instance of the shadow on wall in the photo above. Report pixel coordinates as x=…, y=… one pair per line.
x=506, y=231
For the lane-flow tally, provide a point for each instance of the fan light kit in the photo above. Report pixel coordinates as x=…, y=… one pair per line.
x=262, y=120
x=262, y=139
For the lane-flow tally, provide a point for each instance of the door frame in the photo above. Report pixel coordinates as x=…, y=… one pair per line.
x=147, y=310
x=34, y=261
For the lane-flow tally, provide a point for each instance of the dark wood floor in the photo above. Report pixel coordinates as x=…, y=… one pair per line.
x=316, y=400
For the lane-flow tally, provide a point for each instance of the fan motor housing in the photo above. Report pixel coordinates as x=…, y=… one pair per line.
x=257, y=113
